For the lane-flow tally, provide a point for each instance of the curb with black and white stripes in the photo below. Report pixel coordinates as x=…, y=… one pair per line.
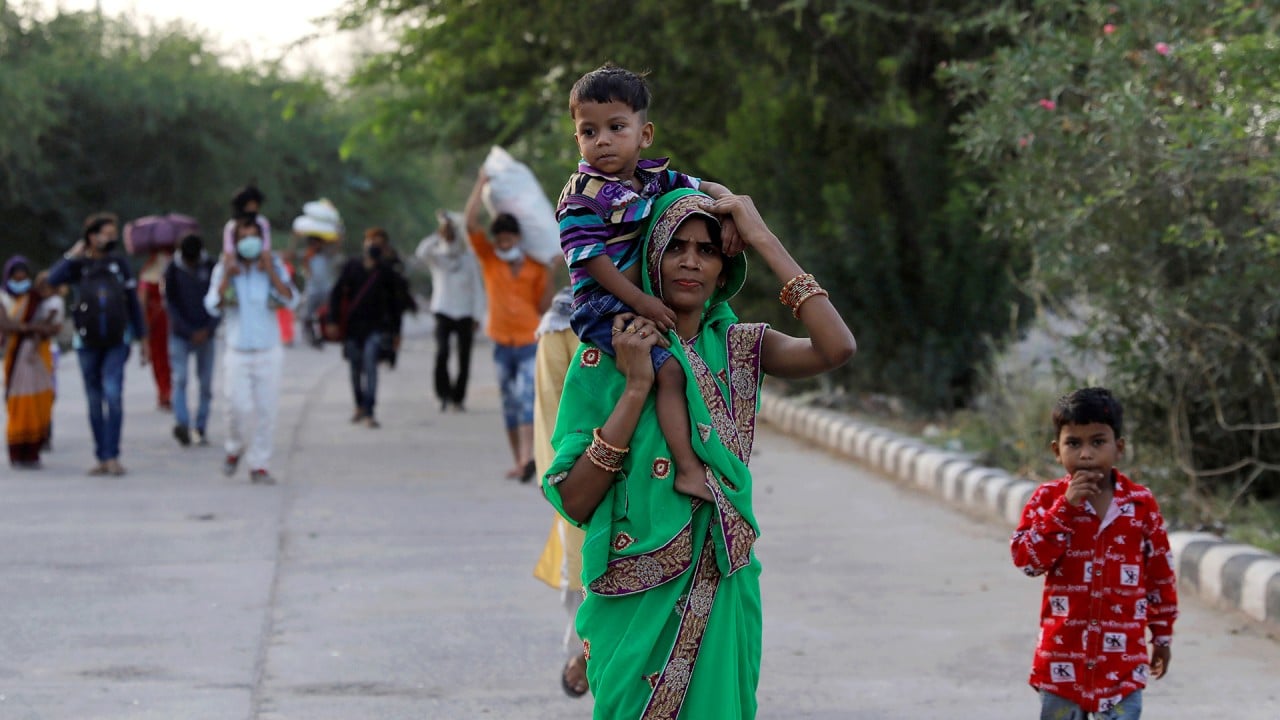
x=1230, y=575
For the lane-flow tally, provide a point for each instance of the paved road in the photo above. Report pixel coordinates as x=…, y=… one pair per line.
x=388, y=576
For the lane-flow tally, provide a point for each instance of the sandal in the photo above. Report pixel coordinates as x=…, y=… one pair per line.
x=569, y=689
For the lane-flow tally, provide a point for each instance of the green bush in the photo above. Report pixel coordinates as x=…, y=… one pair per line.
x=1132, y=149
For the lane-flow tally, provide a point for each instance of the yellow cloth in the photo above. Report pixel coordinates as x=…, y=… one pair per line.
x=561, y=563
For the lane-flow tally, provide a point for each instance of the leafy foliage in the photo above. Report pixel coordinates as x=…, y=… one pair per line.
x=826, y=112
x=100, y=114
x=1132, y=147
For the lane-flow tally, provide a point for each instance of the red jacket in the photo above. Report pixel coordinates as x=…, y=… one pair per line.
x=1105, y=583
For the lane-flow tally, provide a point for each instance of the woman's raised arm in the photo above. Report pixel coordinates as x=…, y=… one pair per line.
x=830, y=343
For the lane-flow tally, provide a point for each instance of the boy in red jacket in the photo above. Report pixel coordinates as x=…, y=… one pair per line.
x=1099, y=540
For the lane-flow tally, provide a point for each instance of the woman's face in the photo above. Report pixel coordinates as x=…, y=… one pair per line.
x=691, y=266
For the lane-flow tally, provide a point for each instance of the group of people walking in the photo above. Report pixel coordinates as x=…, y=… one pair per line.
x=634, y=389
x=174, y=316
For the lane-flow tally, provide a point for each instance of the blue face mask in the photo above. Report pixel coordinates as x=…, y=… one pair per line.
x=249, y=247
x=19, y=287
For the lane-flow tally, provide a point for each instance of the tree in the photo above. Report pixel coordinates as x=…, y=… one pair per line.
x=827, y=112
x=100, y=114
x=1132, y=148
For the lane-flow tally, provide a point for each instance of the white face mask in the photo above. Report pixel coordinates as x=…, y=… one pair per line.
x=249, y=247
x=511, y=254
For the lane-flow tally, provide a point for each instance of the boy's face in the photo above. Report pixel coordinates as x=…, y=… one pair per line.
x=611, y=135
x=1093, y=446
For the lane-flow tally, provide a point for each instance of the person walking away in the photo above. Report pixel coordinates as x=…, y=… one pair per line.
x=560, y=565
x=457, y=302
x=318, y=271
x=518, y=291
x=191, y=337
x=246, y=288
x=151, y=296
x=1099, y=540
x=29, y=320
x=108, y=318
x=368, y=297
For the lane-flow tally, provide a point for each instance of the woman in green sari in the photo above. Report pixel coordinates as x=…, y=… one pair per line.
x=671, y=622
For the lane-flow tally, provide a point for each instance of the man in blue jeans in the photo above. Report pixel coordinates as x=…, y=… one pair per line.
x=108, y=318
x=191, y=331
x=369, y=294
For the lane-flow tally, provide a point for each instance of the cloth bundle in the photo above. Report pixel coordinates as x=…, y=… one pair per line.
x=320, y=219
x=513, y=189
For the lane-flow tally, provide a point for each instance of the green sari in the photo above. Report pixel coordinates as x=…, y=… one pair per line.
x=672, y=617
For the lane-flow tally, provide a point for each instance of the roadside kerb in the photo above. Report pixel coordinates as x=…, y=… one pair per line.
x=1228, y=575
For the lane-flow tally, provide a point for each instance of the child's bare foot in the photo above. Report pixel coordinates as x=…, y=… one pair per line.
x=693, y=481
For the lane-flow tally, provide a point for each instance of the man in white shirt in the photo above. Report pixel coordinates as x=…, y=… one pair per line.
x=247, y=286
x=458, y=302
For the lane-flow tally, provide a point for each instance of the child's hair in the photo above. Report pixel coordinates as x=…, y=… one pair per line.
x=1088, y=405
x=244, y=196
x=505, y=222
x=610, y=83
x=95, y=222
x=377, y=233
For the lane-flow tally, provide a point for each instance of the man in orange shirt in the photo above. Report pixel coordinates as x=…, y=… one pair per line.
x=519, y=291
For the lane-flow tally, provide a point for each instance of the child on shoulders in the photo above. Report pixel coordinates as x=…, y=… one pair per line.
x=602, y=213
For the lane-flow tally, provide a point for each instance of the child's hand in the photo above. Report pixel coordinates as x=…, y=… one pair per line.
x=1160, y=656
x=1084, y=485
x=657, y=312
x=730, y=242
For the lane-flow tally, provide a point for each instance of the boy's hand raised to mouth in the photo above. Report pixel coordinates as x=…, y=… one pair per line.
x=1084, y=485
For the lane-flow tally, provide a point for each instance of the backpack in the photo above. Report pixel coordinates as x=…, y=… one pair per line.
x=102, y=305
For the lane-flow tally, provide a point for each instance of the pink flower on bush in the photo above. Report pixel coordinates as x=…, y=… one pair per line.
x=1048, y=104
x=1162, y=48
x=1025, y=140
x=1108, y=29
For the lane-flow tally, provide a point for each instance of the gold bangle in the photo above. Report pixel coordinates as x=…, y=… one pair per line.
x=785, y=295
x=799, y=289
x=795, y=311
x=595, y=438
x=600, y=464
x=605, y=456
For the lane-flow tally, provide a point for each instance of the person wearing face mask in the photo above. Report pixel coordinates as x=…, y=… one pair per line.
x=369, y=295
x=519, y=291
x=246, y=287
x=28, y=319
x=191, y=331
x=108, y=318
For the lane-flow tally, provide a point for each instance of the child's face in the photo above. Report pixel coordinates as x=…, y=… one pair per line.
x=1093, y=446
x=611, y=135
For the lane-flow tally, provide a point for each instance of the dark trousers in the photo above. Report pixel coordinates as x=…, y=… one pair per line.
x=362, y=356
x=453, y=391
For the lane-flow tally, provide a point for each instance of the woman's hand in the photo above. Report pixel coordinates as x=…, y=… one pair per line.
x=633, y=338
x=741, y=211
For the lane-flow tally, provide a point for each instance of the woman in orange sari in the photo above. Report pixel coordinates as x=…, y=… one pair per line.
x=27, y=322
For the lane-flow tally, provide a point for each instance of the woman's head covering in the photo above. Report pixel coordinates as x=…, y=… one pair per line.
x=669, y=212
x=15, y=263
